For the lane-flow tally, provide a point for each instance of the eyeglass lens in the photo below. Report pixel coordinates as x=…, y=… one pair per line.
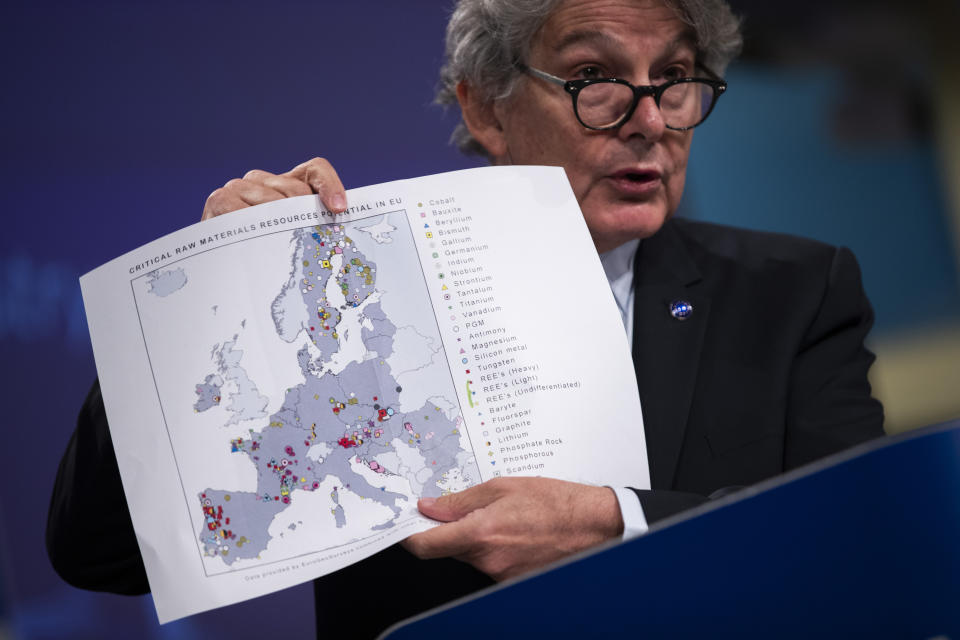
x=682, y=105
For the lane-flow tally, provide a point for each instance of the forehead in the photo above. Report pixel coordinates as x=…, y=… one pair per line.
x=627, y=25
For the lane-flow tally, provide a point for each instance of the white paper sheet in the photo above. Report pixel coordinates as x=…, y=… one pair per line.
x=282, y=384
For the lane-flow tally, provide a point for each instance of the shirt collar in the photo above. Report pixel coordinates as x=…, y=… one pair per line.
x=619, y=262
x=618, y=265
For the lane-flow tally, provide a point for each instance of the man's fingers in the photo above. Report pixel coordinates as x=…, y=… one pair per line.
x=475, y=539
x=257, y=186
x=323, y=179
x=438, y=509
x=454, y=506
x=450, y=540
x=257, y=175
x=220, y=202
x=252, y=192
x=507, y=526
x=460, y=533
x=283, y=183
x=253, y=189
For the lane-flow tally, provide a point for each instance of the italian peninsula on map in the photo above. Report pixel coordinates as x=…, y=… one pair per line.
x=347, y=427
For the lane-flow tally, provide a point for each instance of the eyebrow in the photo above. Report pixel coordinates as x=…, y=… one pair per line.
x=590, y=36
x=688, y=37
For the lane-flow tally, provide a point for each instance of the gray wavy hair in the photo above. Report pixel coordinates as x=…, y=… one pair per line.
x=487, y=38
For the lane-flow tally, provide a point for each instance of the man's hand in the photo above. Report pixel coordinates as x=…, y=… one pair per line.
x=256, y=187
x=508, y=526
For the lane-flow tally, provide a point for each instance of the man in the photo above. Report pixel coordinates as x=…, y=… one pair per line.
x=748, y=346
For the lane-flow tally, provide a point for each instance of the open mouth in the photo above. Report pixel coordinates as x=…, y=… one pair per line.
x=636, y=183
x=637, y=176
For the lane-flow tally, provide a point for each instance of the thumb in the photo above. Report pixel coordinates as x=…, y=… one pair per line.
x=454, y=506
x=324, y=181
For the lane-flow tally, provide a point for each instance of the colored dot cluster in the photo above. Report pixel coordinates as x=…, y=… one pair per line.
x=216, y=523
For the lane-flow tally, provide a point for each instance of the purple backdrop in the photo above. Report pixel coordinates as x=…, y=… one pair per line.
x=120, y=117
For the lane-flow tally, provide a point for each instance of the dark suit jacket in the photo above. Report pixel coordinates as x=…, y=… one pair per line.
x=768, y=373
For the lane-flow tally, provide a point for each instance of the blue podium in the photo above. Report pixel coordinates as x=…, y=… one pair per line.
x=865, y=543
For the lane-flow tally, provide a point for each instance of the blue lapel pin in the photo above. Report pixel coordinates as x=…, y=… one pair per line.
x=681, y=309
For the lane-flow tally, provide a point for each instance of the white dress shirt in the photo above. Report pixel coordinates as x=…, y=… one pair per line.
x=618, y=265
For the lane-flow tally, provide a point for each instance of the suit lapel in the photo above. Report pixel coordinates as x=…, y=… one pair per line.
x=666, y=351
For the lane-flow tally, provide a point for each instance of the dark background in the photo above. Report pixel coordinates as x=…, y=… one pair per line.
x=119, y=118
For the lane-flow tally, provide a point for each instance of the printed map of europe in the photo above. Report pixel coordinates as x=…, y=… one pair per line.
x=342, y=430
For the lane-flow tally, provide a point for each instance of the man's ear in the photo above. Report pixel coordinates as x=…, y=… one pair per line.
x=482, y=122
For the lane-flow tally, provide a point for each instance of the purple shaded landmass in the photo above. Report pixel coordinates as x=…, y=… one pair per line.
x=355, y=414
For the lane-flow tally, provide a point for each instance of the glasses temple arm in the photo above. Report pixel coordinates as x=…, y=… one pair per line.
x=710, y=72
x=543, y=75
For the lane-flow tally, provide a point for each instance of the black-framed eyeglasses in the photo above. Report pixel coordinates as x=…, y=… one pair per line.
x=606, y=103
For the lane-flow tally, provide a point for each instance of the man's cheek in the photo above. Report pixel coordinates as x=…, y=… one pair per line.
x=581, y=184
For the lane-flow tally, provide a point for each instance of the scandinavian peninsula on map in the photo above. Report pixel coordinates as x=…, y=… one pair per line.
x=343, y=423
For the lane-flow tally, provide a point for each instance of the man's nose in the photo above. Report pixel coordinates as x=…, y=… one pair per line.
x=646, y=121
